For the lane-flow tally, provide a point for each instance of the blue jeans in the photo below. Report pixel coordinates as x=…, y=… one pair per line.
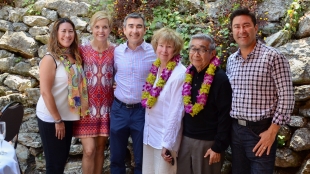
x=125, y=122
x=56, y=151
x=244, y=161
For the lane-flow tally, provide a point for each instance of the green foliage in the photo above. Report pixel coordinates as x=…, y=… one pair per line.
x=18, y=59
x=184, y=23
x=97, y=5
x=186, y=19
x=221, y=29
x=29, y=4
x=281, y=140
x=293, y=15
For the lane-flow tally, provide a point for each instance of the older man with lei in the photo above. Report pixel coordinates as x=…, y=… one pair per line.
x=207, y=99
x=162, y=97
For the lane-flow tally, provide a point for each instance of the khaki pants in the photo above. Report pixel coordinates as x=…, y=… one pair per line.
x=153, y=162
x=191, y=157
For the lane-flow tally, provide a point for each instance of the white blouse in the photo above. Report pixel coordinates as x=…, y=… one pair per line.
x=163, y=122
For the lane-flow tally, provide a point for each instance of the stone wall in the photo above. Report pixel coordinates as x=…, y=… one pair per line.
x=23, y=40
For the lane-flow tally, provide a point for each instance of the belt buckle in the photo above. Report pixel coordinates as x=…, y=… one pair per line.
x=242, y=122
x=129, y=106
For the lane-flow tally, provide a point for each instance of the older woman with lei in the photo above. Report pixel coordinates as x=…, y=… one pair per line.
x=93, y=129
x=63, y=94
x=162, y=97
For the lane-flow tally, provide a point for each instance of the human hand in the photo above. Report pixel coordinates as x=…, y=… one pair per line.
x=60, y=130
x=114, y=86
x=165, y=153
x=266, y=140
x=214, y=157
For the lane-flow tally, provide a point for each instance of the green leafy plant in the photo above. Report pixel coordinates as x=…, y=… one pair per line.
x=184, y=22
x=18, y=59
x=29, y=4
x=293, y=15
x=281, y=140
x=97, y=5
x=221, y=30
x=185, y=18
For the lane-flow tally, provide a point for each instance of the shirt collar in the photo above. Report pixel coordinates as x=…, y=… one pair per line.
x=193, y=68
x=143, y=46
x=255, y=50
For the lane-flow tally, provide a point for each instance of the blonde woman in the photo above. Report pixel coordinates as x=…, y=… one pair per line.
x=93, y=129
x=163, y=116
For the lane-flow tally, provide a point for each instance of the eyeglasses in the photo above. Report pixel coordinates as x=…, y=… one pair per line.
x=199, y=51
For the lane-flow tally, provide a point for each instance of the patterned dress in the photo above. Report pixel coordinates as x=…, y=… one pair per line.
x=99, y=75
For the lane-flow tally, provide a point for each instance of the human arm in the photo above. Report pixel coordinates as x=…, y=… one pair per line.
x=47, y=73
x=281, y=74
x=223, y=106
x=174, y=114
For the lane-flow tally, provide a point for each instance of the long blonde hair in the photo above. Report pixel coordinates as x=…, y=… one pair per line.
x=54, y=47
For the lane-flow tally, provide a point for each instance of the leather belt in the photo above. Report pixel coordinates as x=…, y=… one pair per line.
x=128, y=106
x=263, y=122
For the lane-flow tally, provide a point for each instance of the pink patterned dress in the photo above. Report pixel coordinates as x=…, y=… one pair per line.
x=99, y=75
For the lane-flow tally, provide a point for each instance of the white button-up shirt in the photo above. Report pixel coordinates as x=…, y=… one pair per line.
x=163, y=122
x=132, y=68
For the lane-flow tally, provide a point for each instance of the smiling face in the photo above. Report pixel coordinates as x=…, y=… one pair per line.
x=244, y=31
x=165, y=50
x=198, y=59
x=101, y=30
x=134, y=31
x=65, y=34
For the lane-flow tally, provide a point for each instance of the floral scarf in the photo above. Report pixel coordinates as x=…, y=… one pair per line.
x=77, y=87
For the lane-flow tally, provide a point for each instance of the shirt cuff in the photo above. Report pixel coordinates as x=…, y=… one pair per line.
x=281, y=119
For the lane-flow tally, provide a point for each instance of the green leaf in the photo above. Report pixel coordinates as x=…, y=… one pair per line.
x=165, y=21
x=152, y=26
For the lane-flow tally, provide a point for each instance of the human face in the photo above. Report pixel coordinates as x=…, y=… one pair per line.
x=134, y=31
x=101, y=30
x=65, y=34
x=164, y=51
x=200, y=60
x=244, y=31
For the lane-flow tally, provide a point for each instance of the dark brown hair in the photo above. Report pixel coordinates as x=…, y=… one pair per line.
x=54, y=47
x=242, y=11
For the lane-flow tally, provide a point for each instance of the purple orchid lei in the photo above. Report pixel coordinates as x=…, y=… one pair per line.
x=150, y=93
x=203, y=91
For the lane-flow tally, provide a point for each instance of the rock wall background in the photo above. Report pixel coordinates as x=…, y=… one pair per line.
x=23, y=40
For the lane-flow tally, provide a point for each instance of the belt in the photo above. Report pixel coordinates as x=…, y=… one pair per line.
x=263, y=122
x=128, y=106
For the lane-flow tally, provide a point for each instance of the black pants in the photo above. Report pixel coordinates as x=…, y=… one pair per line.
x=56, y=151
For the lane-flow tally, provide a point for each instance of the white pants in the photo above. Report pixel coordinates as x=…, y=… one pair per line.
x=153, y=162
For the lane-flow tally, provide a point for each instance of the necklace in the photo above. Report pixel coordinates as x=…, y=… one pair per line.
x=150, y=93
x=66, y=50
x=203, y=91
x=96, y=48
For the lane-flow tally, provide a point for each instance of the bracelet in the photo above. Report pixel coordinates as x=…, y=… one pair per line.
x=58, y=121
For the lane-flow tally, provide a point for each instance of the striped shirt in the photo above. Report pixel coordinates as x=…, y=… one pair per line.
x=132, y=68
x=261, y=84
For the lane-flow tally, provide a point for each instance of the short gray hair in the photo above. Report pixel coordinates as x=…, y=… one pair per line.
x=136, y=16
x=205, y=37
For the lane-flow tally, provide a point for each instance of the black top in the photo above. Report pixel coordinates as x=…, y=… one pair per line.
x=213, y=123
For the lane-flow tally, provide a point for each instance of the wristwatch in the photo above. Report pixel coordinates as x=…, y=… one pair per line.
x=58, y=121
